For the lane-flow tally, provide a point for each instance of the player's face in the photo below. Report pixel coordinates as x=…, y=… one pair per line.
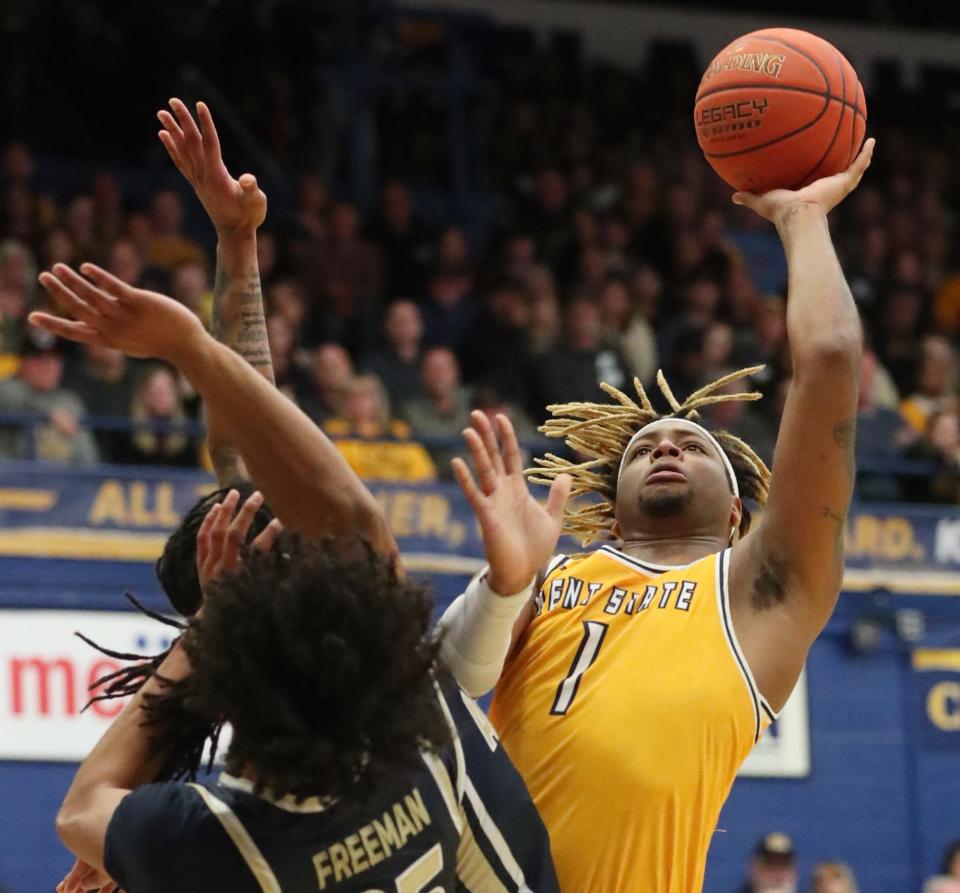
x=673, y=480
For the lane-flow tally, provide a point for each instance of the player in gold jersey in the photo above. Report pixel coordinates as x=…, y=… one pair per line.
x=641, y=674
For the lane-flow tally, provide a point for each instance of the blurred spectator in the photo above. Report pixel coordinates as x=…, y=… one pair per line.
x=940, y=445
x=37, y=389
x=108, y=206
x=313, y=205
x=58, y=248
x=547, y=216
x=18, y=269
x=287, y=299
x=936, y=380
x=366, y=412
x=773, y=868
x=13, y=316
x=443, y=408
x=321, y=394
x=369, y=436
x=126, y=262
x=342, y=270
x=497, y=352
x=450, y=311
x=573, y=370
x=156, y=399
x=104, y=380
x=883, y=435
x=190, y=286
x=627, y=330
x=896, y=335
x=289, y=377
x=168, y=246
x=403, y=238
x=833, y=877
x=80, y=221
x=751, y=422
x=491, y=402
x=545, y=324
x=397, y=363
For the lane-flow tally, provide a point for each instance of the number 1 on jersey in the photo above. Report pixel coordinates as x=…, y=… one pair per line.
x=593, y=633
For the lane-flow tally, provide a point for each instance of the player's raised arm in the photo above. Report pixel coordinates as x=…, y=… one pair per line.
x=236, y=209
x=786, y=575
x=306, y=480
x=519, y=537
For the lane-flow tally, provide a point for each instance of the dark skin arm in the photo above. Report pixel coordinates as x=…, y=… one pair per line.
x=236, y=208
x=785, y=576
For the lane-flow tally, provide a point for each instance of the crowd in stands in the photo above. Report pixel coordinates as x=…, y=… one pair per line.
x=613, y=251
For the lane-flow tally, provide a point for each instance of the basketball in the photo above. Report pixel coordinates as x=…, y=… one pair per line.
x=779, y=108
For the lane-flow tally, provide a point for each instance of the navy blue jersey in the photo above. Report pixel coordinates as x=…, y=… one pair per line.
x=464, y=822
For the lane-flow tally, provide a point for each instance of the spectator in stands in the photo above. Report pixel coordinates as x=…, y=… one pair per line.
x=282, y=341
x=168, y=246
x=443, y=408
x=403, y=238
x=751, y=422
x=490, y=401
x=625, y=329
x=108, y=206
x=18, y=269
x=341, y=269
x=190, y=285
x=58, y=248
x=450, y=311
x=545, y=325
x=896, y=334
x=37, y=388
x=286, y=298
x=573, y=370
x=397, y=363
x=369, y=435
x=833, y=877
x=882, y=435
x=940, y=446
x=548, y=216
x=313, y=206
x=497, y=351
x=157, y=400
x=104, y=380
x=936, y=380
x=773, y=868
x=331, y=370
x=80, y=221
x=13, y=316
x=126, y=262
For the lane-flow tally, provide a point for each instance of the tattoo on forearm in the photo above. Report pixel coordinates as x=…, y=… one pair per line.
x=238, y=318
x=844, y=436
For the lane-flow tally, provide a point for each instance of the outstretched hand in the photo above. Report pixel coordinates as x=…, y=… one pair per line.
x=825, y=193
x=519, y=534
x=223, y=533
x=234, y=206
x=105, y=310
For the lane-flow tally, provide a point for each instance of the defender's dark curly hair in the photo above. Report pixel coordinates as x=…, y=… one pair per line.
x=321, y=658
x=177, y=575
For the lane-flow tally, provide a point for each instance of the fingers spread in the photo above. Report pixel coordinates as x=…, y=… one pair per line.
x=65, y=328
x=239, y=528
x=107, y=282
x=482, y=425
x=68, y=299
x=465, y=480
x=512, y=458
x=211, y=142
x=268, y=536
x=97, y=299
x=481, y=459
x=191, y=134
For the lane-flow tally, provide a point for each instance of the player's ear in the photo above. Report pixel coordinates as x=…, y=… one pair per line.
x=615, y=530
x=736, y=513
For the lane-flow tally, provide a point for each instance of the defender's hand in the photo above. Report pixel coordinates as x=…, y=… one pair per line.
x=234, y=206
x=824, y=194
x=109, y=312
x=222, y=535
x=519, y=534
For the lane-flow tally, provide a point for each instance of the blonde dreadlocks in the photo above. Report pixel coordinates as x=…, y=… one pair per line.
x=602, y=431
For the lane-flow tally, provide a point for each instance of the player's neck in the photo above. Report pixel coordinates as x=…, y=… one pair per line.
x=673, y=550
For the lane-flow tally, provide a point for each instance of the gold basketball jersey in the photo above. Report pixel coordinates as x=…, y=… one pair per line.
x=628, y=710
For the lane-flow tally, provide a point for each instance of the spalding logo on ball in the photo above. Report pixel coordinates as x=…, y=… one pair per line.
x=778, y=109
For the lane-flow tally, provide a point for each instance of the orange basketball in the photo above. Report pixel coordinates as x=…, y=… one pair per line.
x=779, y=108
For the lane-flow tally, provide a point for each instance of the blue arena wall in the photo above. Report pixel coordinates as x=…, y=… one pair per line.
x=883, y=789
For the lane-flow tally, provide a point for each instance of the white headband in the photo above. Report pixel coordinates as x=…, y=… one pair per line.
x=692, y=426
